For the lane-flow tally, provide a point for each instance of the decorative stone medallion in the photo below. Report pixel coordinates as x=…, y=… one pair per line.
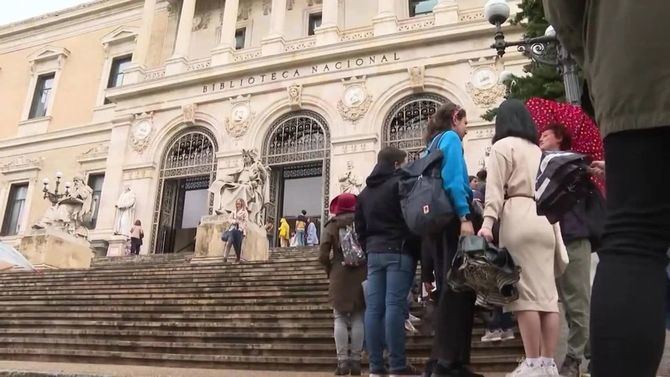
x=188, y=112
x=417, y=77
x=355, y=101
x=240, y=117
x=294, y=95
x=141, y=130
x=484, y=87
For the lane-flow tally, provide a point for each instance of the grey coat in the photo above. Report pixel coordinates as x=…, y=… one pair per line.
x=622, y=47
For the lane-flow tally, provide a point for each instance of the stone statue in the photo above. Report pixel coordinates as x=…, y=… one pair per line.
x=248, y=183
x=350, y=182
x=72, y=211
x=125, y=212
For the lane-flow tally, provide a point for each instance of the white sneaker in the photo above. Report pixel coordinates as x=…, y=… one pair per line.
x=414, y=319
x=551, y=370
x=492, y=336
x=525, y=370
x=410, y=327
x=507, y=335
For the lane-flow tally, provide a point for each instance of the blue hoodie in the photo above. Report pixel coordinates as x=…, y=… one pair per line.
x=455, y=172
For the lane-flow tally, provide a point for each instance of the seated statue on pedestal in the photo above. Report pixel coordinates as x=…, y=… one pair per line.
x=248, y=183
x=69, y=211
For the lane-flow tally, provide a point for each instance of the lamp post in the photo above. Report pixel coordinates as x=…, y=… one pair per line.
x=543, y=50
x=55, y=196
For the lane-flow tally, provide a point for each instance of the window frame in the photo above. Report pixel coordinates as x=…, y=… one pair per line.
x=410, y=8
x=244, y=31
x=9, y=207
x=310, y=16
x=95, y=206
x=38, y=92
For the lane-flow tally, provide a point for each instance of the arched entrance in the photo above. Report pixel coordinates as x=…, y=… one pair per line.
x=188, y=168
x=297, y=149
x=406, y=123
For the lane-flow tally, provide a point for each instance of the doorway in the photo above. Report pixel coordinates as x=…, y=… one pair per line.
x=187, y=171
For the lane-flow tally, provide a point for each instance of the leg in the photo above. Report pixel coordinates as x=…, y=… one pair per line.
x=628, y=304
x=399, y=276
x=374, y=312
x=574, y=288
x=341, y=335
x=357, y=335
x=237, y=243
x=531, y=332
x=551, y=329
x=229, y=244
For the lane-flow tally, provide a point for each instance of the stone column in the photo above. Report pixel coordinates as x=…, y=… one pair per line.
x=177, y=63
x=385, y=22
x=274, y=42
x=329, y=30
x=223, y=53
x=140, y=55
x=446, y=12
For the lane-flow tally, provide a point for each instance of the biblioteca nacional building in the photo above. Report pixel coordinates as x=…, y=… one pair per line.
x=165, y=110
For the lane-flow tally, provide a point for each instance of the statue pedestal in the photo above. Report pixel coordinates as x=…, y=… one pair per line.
x=50, y=248
x=208, y=243
x=117, y=246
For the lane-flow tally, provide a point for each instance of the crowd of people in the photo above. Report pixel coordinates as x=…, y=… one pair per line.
x=554, y=258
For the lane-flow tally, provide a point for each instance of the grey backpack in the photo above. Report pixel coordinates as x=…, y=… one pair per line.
x=425, y=205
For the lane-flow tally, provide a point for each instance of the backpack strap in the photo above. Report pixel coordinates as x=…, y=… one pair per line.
x=435, y=143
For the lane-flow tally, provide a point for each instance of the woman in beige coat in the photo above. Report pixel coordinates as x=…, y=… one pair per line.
x=530, y=239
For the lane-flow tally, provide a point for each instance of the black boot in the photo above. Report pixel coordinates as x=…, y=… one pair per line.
x=342, y=368
x=355, y=368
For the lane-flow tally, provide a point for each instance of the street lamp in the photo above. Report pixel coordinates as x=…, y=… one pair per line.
x=545, y=50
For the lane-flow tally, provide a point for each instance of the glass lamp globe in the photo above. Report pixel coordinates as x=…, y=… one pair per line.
x=550, y=32
x=496, y=11
x=506, y=76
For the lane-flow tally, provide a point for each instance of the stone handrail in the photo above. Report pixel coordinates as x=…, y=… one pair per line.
x=198, y=64
x=357, y=33
x=299, y=44
x=247, y=54
x=417, y=23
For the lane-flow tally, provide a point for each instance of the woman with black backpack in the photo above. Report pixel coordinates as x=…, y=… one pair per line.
x=345, y=289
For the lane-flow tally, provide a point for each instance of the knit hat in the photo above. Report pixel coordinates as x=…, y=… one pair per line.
x=343, y=203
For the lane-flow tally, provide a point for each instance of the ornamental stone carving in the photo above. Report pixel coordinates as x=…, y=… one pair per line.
x=99, y=151
x=267, y=7
x=141, y=131
x=294, y=95
x=188, y=113
x=417, y=77
x=355, y=101
x=240, y=117
x=484, y=87
x=349, y=181
x=22, y=163
x=312, y=3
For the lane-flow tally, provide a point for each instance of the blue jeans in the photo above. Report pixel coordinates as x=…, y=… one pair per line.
x=390, y=278
x=300, y=237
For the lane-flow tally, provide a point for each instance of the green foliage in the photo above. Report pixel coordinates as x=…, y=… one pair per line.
x=540, y=80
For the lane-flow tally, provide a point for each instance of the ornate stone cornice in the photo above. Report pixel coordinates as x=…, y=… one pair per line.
x=21, y=164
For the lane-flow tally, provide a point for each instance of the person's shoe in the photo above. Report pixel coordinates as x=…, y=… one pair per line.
x=342, y=368
x=570, y=367
x=409, y=370
x=410, y=327
x=526, y=370
x=355, y=368
x=379, y=373
x=507, y=334
x=492, y=336
x=414, y=319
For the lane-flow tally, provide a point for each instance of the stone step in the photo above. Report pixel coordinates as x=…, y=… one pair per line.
x=170, y=308
x=222, y=294
x=214, y=285
x=157, y=316
x=483, y=363
x=154, y=302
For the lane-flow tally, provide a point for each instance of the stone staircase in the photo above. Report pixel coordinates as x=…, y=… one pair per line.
x=165, y=311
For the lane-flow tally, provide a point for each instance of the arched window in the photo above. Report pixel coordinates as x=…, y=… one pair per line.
x=297, y=137
x=406, y=123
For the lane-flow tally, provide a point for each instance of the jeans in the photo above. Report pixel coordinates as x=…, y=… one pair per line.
x=235, y=241
x=300, y=237
x=500, y=321
x=344, y=321
x=390, y=277
x=574, y=290
x=629, y=291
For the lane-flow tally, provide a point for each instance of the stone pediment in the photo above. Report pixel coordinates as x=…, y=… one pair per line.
x=120, y=34
x=96, y=153
x=48, y=53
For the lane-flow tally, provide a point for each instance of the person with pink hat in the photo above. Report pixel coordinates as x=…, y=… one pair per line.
x=345, y=289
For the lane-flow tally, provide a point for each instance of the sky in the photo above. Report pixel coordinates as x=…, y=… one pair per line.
x=24, y=9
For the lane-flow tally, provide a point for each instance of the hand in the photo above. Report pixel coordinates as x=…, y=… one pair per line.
x=486, y=233
x=597, y=168
x=429, y=287
x=467, y=229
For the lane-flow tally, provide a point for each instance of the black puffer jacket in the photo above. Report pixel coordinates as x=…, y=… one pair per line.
x=380, y=225
x=574, y=224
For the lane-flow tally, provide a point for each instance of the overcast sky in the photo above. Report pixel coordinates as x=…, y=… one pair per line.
x=13, y=11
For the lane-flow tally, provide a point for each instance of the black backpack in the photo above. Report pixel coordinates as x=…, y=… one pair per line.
x=425, y=205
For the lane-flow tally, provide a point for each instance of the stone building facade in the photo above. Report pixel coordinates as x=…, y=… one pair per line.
x=163, y=96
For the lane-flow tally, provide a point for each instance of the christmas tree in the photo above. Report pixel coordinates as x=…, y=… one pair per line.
x=541, y=80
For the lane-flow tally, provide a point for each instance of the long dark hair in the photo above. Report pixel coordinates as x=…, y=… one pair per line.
x=514, y=120
x=442, y=120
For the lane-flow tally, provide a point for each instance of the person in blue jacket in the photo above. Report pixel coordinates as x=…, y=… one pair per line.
x=455, y=313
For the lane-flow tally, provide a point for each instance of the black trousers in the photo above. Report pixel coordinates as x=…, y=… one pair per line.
x=629, y=292
x=135, y=244
x=455, y=310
